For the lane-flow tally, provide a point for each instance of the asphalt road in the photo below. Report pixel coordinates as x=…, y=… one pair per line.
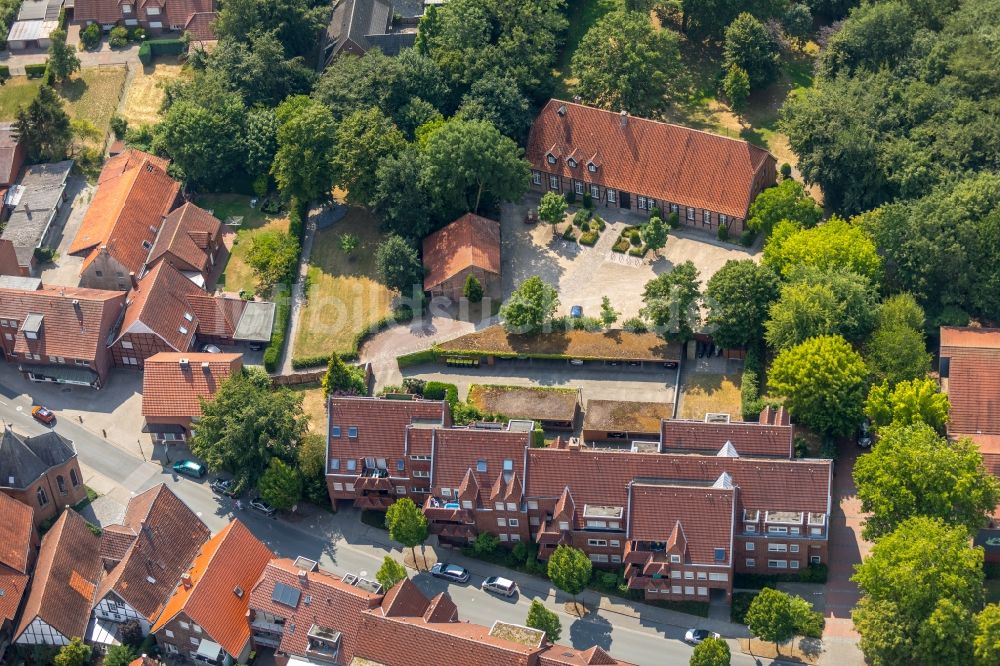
x=343, y=545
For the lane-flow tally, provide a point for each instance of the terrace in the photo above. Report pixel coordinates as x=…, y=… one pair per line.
x=324, y=643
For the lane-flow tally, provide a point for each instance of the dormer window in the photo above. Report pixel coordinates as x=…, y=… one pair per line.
x=591, y=167
x=550, y=158
x=126, y=9
x=571, y=162
x=675, y=559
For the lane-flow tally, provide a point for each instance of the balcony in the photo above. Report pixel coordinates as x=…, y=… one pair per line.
x=266, y=640
x=373, y=479
x=550, y=534
x=378, y=502
x=437, y=508
x=324, y=644
x=453, y=530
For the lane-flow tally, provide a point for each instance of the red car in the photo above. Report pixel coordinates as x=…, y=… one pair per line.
x=43, y=414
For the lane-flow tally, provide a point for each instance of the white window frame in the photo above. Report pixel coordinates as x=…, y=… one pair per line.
x=794, y=564
x=777, y=547
x=777, y=529
x=675, y=559
x=815, y=559
x=578, y=187
x=152, y=11
x=504, y=537
x=536, y=177
x=777, y=564
x=501, y=522
x=690, y=214
x=563, y=525
x=513, y=522
x=612, y=197
x=168, y=633
x=793, y=548
x=446, y=492
x=641, y=203
x=751, y=562
x=126, y=344
x=597, y=542
x=554, y=183
x=688, y=575
x=515, y=537
x=533, y=505
x=595, y=192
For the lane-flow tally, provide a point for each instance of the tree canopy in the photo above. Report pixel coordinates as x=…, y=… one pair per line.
x=672, y=302
x=398, y=266
x=273, y=257
x=786, y=201
x=303, y=164
x=986, y=644
x=823, y=380
x=341, y=378
x=750, y=47
x=407, y=524
x=622, y=62
x=897, y=350
x=913, y=471
x=280, y=485
x=738, y=297
x=552, y=208
x=529, y=307
x=44, y=128
x=363, y=139
x=246, y=423
x=390, y=573
x=833, y=244
x=63, y=60
x=711, y=652
x=770, y=617
x=74, y=653
x=541, y=618
x=569, y=569
x=908, y=402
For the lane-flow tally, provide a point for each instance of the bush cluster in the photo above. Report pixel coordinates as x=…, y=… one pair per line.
x=272, y=355
x=751, y=402
x=35, y=71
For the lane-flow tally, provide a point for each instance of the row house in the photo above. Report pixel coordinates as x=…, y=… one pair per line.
x=41, y=471
x=635, y=163
x=190, y=240
x=205, y=620
x=143, y=558
x=154, y=15
x=969, y=368
x=682, y=514
x=18, y=544
x=59, y=334
x=310, y=616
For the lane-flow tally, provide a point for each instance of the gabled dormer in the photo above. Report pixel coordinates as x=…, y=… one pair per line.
x=677, y=544
x=468, y=490
x=564, y=511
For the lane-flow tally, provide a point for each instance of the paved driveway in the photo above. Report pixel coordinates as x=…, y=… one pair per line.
x=583, y=274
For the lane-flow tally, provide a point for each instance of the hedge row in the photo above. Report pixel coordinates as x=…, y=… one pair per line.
x=416, y=358
x=4, y=72
x=401, y=315
x=751, y=402
x=272, y=355
x=814, y=573
x=36, y=71
x=155, y=47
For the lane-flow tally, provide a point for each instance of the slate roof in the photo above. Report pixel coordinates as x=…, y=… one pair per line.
x=24, y=459
x=706, y=515
x=170, y=389
x=333, y=604
x=354, y=19
x=160, y=304
x=232, y=558
x=469, y=241
x=70, y=330
x=11, y=154
x=16, y=534
x=134, y=193
x=646, y=157
x=66, y=575
x=748, y=438
x=382, y=424
x=186, y=235
x=166, y=537
x=601, y=477
x=43, y=186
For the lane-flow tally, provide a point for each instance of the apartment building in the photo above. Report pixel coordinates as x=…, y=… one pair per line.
x=683, y=514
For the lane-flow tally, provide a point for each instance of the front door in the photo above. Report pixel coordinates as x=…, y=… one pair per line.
x=626, y=199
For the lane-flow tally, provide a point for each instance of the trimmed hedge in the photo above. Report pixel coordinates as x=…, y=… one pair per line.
x=4, y=72
x=814, y=573
x=589, y=238
x=36, y=71
x=272, y=355
x=416, y=358
x=156, y=47
x=751, y=402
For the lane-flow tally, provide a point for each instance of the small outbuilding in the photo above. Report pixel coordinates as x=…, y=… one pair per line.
x=624, y=421
x=468, y=246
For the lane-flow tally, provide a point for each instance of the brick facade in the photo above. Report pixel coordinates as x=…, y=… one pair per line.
x=61, y=486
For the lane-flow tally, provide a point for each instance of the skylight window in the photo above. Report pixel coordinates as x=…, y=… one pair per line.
x=182, y=330
x=189, y=316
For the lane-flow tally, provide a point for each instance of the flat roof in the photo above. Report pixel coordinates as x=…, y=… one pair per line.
x=22, y=31
x=256, y=323
x=614, y=345
x=19, y=282
x=626, y=415
x=530, y=402
x=42, y=188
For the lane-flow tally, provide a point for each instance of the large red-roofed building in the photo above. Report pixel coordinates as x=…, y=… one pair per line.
x=628, y=162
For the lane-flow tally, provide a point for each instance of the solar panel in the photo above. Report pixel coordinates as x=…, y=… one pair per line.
x=284, y=594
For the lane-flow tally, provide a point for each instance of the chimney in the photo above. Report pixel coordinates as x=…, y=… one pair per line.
x=135, y=282
x=186, y=581
x=205, y=367
x=624, y=116
x=574, y=444
x=303, y=577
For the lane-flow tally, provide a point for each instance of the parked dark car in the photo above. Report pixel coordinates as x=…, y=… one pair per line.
x=222, y=486
x=452, y=572
x=262, y=506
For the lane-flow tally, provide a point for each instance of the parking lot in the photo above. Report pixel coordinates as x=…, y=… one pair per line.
x=584, y=274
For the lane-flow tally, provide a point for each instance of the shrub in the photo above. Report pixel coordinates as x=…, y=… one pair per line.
x=635, y=325
x=786, y=170
x=36, y=71
x=814, y=573
x=374, y=518
x=571, y=197
x=145, y=54
x=119, y=126
x=589, y=238
x=137, y=34
x=485, y=544
x=160, y=47
x=520, y=552
x=4, y=72
x=581, y=217
x=538, y=438
x=569, y=234
x=272, y=355
x=751, y=403
x=44, y=255
x=599, y=221
x=635, y=240
x=723, y=233
x=585, y=226
x=588, y=201
x=118, y=37
x=638, y=251
x=674, y=220
x=439, y=390
x=747, y=238
x=90, y=36
x=655, y=212
x=621, y=245
x=473, y=289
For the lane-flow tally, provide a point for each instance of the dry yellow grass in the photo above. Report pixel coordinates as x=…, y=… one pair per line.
x=92, y=94
x=344, y=297
x=704, y=393
x=145, y=94
x=313, y=405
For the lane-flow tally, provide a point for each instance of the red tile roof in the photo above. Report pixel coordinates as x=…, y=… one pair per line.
x=404, y=599
x=200, y=25
x=559, y=655
x=217, y=316
x=705, y=516
x=13, y=584
x=233, y=558
x=16, y=531
x=333, y=604
x=127, y=160
x=458, y=450
x=601, y=477
x=172, y=389
x=382, y=425
x=115, y=542
x=749, y=439
x=186, y=238
x=134, y=193
x=646, y=157
x=973, y=383
x=146, y=661
x=168, y=535
x=67, y=573
x=72, y=330
x=469, y=241
x=179, y=12
x=160, y=305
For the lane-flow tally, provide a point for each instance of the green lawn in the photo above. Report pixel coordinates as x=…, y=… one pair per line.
x=237, y=275
x=344, y=298
x=18, y=91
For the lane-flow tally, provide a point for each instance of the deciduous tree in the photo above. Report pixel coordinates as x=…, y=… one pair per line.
x=711, y=652
x=770, y=617
x=473, y=289
x=63, y=60
x=407, y=524
x=672, y=302
x=654, y=234
x=622, y=63
x=246, y=423
x=75, y=653
x=751, y=47
x=118, y=655
x=569, y=569
x=44, y=128
x=608, y=313
x=303, y=166
x=897, y=350
x=529, y=307
x=823, y=380
x=908, y=402
x=390, y=573
x=272, y=257
x=311, y=456
x=736, y=88
x=913, y=471
x=401, y=198
x=552, y=208
x=280, y=485
x=786, y=201
x=541, y=618
x=986, y=644
x=497, y=99
x=738, y=297
x=364, y=139
x=343, y=379
x=831, y=245
x=398, y=265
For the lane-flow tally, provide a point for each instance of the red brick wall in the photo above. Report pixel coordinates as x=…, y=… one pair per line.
x=49, y=483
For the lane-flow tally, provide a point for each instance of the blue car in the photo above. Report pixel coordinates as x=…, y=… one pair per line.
x=576, y=311
x=189, y=468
